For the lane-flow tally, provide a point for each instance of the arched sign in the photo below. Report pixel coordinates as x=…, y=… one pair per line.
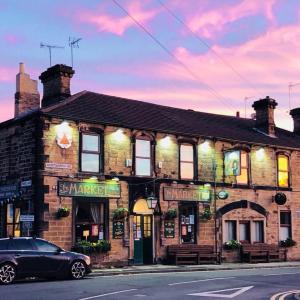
x=280, y=199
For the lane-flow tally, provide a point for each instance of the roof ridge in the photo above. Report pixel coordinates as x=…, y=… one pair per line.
x=65, y=101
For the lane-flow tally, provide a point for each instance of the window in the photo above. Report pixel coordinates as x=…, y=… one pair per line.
x=12, y=221
x=187, y=215
x=186, y=161
x=90, y=220
x=243, y=178
x=244, y=232
x=230, y=230
x=45, y=246
x=22, y=244
x=283, y=170
x=258, y=235
x=142, y=157
x=4, y=244
x=90, y=153
x=285, y=225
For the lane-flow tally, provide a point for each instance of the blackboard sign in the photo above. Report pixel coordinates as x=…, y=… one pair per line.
x=169, y=229
x=118, y=229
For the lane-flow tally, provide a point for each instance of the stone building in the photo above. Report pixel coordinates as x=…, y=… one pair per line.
x=184, y=176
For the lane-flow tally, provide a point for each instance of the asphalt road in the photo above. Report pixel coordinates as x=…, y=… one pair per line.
x=231, y=284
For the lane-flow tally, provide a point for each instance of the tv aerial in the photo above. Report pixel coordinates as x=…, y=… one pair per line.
x=73, y=43
x=50, y=47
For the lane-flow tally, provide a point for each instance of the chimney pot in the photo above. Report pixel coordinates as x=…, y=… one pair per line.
x=264, y=111
x=295, y=113
x=21, y=68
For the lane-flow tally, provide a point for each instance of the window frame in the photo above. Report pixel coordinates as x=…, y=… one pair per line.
x=288, y=171
x=289, y=226
x=150, y=158
x=100, y=151
x=194, y=162
x=247, y=168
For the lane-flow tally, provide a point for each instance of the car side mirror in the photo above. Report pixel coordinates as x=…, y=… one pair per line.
x=58, y=251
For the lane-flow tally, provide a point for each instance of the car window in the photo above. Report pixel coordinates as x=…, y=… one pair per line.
x=22, y=244
x=45, y=246
x=4, y=244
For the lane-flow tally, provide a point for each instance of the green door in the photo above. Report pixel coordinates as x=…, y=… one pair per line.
x=143, y=246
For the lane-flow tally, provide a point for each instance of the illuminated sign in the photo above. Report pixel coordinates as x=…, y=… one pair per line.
x=202, y=193
x=232, y=161
x=89, y=189
x=64, y=135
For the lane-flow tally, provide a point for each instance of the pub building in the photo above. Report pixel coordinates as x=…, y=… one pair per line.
x=142, y=176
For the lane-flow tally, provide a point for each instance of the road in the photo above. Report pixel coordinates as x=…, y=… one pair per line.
x=231, y=284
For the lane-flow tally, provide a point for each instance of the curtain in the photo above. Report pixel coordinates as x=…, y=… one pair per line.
x=95, y=212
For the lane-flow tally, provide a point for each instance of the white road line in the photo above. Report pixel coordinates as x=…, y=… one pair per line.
x=200, y=280
x=278, y=274
x=112, y=293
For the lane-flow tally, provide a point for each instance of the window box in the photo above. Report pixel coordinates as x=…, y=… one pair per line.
x=232, y=245
x=289, y=242
x=86, y=247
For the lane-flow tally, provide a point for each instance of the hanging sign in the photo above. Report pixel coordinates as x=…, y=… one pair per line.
x=232, y=162
x=223, y=195
x=202, y=193
x=169, y=229
x=64, y=135
x=118, y=229
x=89, y=189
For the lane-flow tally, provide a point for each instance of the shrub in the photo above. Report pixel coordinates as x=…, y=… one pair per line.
x=287, y=243
x=86, y=247
x=171, y=214
x=232, y=245
x=120, y=213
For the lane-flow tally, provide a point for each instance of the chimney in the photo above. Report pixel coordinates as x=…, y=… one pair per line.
x=264, y=111
x=27, y=97
x=56, y=84
x=237, y=114
x=295, y=113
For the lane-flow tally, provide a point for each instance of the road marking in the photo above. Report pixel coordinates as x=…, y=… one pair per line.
x=103, y=295
x=200, y=280
x=277, y=274
x=217, y=294
x=282, y=295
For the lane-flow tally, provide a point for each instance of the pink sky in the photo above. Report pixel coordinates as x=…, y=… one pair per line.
x=253, y=52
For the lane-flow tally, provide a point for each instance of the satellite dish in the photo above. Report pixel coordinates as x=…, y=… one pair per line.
x=280, y=199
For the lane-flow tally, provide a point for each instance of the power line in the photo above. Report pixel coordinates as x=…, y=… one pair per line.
x=208, y=46
x=211, y=89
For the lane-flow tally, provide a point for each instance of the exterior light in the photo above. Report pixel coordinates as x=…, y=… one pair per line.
x=152, y=201
x=116, y=179
x=93, y=178
x=119, y=135
x=260, y=154
x=205, y=146
x=166, y=141
x=64, y=135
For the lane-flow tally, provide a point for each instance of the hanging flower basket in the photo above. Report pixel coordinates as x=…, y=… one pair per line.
x=171, y=214
x=206, y=215
x=62, y=212
x=287, y=243
x=120, y=213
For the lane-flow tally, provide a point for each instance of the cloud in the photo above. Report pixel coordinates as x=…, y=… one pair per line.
x=105, y=22
x=12, y=39
x=7, y=74
x=212, y=22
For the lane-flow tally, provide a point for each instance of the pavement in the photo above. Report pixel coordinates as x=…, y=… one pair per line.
x=158, y=268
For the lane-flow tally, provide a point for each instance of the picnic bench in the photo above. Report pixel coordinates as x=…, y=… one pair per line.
x=191, y=254
x=261, y=252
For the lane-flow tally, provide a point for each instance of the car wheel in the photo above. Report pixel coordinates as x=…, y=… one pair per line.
x=7, y=273
x=78, y=269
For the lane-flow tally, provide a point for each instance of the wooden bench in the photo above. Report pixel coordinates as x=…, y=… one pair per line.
x=191, y=254
x=262, y=252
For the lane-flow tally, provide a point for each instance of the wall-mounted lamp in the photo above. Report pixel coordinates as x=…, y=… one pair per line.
x=205, y=146
x=260, y=154
x=119, y=134
x=166, y=141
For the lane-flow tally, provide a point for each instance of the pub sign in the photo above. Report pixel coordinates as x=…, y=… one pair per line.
x=201, y=193
x=118, y=229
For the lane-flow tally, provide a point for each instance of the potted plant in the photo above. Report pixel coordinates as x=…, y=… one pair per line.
x=289, y=242
x=120, y=213
x=206, y=214
x=62, y=212
x=232, y=245
x=171, y=214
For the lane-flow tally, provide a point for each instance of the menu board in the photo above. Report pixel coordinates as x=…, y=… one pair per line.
x=169, y=229
x=118, y=229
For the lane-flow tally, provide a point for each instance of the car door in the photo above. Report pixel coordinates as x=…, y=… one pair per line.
x=25, y=255
x=52, y=259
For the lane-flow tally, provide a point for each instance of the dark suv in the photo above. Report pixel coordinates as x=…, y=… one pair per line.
x=34, y=257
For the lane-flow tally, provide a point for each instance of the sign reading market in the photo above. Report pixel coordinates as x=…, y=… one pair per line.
x=89, y=189
x=202, y=193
